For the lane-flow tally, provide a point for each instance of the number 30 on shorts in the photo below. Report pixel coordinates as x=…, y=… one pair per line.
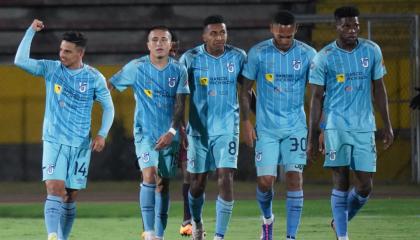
x=296, y=144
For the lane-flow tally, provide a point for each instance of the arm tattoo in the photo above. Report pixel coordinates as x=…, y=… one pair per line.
x=245, y=98
x=179, y=111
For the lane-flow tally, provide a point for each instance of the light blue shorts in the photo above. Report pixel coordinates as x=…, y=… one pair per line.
x=354, y=149
x=288, y=150
x=66, y=163
x=208, y=153
x=165, y=160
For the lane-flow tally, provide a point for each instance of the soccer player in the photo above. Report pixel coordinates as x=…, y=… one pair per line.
x=71, y=88
x=349, y=71
x=280, y=67
x=213, y=131
x=160, y=87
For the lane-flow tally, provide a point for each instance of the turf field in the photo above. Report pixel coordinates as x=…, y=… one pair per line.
x=380, y=219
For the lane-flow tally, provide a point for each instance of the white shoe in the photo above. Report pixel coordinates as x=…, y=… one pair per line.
x=218, y=238
x=197, y=231
x=52, y=236
x=149, y=235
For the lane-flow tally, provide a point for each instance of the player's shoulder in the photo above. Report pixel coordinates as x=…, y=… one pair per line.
x=175, y=63
x=235, y=50
x=327, y=50
x=305, y=47
x=368, y=43
x=194, y=52
x=94, y=72
x=262, y=45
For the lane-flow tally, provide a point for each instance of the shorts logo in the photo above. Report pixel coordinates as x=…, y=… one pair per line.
x=299, y=166
x=212, y=93
x=148, y=93
x=82, y=87
x=191, y=161
x=145, y=157
x=57, y=88
x=340, y=77
x=296, y=65
x=204, y=81
x=332, y=154
x=50, y=169
x=269, y=77
x=231, y=67
x=365, y=62
x=171, y=82
x=258, y=156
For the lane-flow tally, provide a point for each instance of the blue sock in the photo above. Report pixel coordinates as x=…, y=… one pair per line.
x=223, y=213
x=52, y=213
x=340, y=212
x=265, y=201
x=354, y=203
x=161, y=213
x=196, y=206
x=68, y=214
x=294, y=205
x=147, y=205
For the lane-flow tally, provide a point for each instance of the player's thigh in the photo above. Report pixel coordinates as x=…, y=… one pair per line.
x=146, y=154
x=337, y=149
x=168, y=161
x=54, y=161
x=267, y=154
x=78, y=169
x=197, y=154
x=293, y=150
x=364, y=152
x=224, y=149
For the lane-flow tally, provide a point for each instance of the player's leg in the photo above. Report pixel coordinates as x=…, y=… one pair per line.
x=186, y=227
x=148, y=160
x=54, y=165
x=364, y=166
x=224, y=151
x=77, y=172
x=267, y=154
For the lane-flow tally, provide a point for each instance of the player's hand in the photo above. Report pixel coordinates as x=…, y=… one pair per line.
x=249, y=133
x=321, y=145
x=310, y=152
x=37, y=25
x=415, y=102
x=98, y=144
x=184, y=139
x=388, y=137
x=164, y=141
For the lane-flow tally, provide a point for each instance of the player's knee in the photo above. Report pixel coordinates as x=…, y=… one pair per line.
x=265, y=183
x=197, y=188
x=163, y=186
x=294, y=181
x=225, y=180
x=364, y=189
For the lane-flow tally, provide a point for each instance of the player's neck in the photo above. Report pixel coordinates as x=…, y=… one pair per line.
x=75, y=66
x=214, y=52
x=346, y=46
x=159, y=62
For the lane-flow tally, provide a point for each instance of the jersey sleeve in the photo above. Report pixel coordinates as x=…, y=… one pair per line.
x=379, y=69
x=125, y=77
x=317, y=70
x=249, y=70
x=183, y=87
x=103, y=96
x=310, y=55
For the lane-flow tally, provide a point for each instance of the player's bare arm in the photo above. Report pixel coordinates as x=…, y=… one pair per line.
x=381, y=102
x=178, y=117
x=314, y=117
x=245, y=102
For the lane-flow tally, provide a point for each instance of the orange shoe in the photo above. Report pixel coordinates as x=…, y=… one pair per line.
x=186, y=229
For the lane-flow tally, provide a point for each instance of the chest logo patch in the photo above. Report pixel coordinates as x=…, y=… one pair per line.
x=204, y=81
x=296, y=65
x=57, y=88
x=269, y=77
x=82, y=87
x=148, y=93
x=340, y=78
x=365, y=62
x=171, y=82
x=231, y=67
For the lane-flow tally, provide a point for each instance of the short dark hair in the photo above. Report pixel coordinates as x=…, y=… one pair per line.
x=213, y=19
x=75, y=37
x=159, y=27
x=284, y=17
x=346, y=11
x=174, y=37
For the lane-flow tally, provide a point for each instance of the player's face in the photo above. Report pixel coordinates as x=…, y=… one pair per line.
x=174, y=49
x=215, y=37
x=348, y=30
x=283, y=35
x=159, y=43
x=71, y=55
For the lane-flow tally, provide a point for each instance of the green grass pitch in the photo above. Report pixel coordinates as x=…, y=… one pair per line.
x=380, y=219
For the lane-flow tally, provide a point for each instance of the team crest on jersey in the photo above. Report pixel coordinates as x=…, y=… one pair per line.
x=258, y=156
x=332, y=155
x=231, y=67
x=204, y=81
x=269, y=77
x=82, y=87
x=57, y=88
x=50, y=169
x=365, y=62
x=296, y=64
x=340, y=77
x=171, y=82
x=145, y=157
x=212, y=93
x=148, y=93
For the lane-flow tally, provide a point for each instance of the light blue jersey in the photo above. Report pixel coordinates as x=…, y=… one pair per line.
x=281, y=80
x=154, y=90
x=347, y=78
x=69, y=97
x=214, y=108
